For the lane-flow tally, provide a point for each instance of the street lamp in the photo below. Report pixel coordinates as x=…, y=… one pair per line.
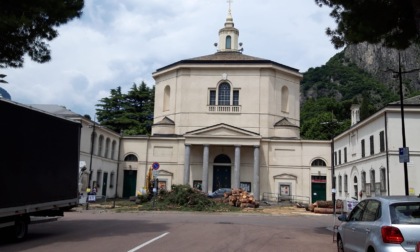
x=92, y=143
x=400, y=73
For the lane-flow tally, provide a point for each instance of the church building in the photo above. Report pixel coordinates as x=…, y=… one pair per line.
x=228, y=120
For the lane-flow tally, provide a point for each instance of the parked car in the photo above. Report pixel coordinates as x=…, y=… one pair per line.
x=385, y=223
x=219, y=193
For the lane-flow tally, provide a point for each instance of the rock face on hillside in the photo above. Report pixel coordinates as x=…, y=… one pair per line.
x=375, y=60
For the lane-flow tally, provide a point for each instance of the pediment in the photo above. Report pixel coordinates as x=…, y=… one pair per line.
x=284, y=123
x=164, y=173
x=222, y=130
x=285, y=176
x=165, y=121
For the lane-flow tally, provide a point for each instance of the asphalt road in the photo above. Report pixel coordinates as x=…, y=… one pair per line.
x=104, y=231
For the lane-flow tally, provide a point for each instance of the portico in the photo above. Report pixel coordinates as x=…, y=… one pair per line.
x=218, y=140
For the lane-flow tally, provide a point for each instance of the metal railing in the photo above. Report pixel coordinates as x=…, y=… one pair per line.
x=224, y=109
x=276, y=198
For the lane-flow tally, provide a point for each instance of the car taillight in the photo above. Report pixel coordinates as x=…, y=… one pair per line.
x=418, y=247
x=391, y=235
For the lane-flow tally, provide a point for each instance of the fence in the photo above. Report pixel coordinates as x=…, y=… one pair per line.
x=276, y=198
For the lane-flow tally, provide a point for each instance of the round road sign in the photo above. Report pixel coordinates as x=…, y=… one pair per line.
x=155, y=165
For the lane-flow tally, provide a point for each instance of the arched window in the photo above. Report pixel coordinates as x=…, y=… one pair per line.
x=228, y=42
x=222, y=159
x=372, y=179
x=166, y=98
x=355, y=187
x=114, y=144
x=340, y=183
x=383, y=180
x=224, y=94
x=107, y=143
x=94, y=137
x=131, y=158
x=285, y=99
x=345, y=183
x=363, y=181
x=101, y=145
x=318, y=162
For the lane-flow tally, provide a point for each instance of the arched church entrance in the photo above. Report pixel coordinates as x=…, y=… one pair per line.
x=221, y=172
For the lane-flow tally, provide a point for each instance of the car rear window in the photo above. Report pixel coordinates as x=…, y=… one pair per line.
x=405, y=213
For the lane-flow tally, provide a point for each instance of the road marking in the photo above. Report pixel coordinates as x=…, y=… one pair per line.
x=147, y=243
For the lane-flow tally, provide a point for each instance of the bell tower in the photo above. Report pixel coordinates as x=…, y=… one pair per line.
x=229, y=35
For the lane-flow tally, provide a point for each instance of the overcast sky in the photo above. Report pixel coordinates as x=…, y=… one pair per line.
x=121, y=42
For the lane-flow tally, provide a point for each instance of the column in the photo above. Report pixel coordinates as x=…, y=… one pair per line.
x=236, y=171
x=205, y=182
x=256, y=187
x=187, y=164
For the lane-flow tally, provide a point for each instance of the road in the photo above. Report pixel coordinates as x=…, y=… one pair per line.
x=104, y=231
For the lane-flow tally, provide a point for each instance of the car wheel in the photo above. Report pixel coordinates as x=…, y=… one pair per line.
x=20, y=229
x=340, y=246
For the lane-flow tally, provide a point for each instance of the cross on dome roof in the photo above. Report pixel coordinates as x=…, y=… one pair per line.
x=230, y=3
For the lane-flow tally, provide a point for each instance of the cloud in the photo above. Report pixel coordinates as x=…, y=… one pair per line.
x=118, y=43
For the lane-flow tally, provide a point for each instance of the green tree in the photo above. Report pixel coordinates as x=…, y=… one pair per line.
x=111, y=111
x=317, y=117
x=26, y=26
x=395, y=23
x=131, y=113
x=140, y=105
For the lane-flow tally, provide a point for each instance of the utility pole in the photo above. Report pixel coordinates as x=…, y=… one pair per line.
x=404, y=148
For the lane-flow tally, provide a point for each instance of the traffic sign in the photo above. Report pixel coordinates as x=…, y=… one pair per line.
x=404, y=154
x=155, y=165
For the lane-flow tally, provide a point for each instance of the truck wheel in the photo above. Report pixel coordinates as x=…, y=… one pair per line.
x=20, y=229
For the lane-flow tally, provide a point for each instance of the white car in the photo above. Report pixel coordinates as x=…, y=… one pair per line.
x=381, y=224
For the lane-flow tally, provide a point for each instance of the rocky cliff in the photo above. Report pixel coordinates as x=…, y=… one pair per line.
x=376, y=59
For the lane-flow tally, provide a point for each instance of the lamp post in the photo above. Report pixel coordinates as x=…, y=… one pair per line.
x=400, y=73
x=92, y=143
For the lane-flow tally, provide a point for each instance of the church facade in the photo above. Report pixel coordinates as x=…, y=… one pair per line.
x=228, y=120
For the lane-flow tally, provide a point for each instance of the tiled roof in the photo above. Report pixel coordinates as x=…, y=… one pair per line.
x=227, y=56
